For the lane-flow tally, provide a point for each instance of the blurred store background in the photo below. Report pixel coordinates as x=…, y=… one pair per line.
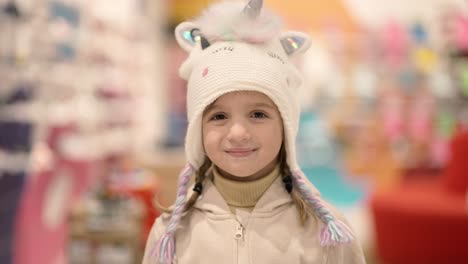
x=92, y=123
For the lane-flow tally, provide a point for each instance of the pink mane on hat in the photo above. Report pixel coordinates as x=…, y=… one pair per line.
x=228, y=21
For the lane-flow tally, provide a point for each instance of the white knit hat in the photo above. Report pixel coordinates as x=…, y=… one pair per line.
x=233, y=47
x=245, y=52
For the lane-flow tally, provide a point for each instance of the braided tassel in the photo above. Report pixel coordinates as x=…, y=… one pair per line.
x=165, y=248
x=334, y=232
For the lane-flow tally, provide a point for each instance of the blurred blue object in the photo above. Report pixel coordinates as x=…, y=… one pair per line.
x=319, y=157
x=315, y=146
x=419, y=33
x=177, y=125
x=335, y=187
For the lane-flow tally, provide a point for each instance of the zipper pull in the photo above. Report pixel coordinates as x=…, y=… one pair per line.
x=239, y=231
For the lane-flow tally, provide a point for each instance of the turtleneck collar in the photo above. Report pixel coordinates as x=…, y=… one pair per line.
x=243, y=194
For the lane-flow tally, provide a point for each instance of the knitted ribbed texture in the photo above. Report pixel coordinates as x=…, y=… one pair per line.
x=243, y=194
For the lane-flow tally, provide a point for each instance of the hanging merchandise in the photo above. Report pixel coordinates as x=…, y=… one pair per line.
x=115, y=100
x=444, y=130
x=461, y=75
x=132, y=182
x=50, y=190
x=47, y=200
x=112, y=222
x=17, y=96
x=423, y=56
x=444, y=122
x=420, y=113
x=441, y=84
x=395, y=44
x=419, y=34
x=15, y=123
x=460, y=32
x=16, y=132
x=459, y=67
x=420, y=124
x=64, y=21
x=406, y=79
x=392, y=104
x=10, y=16
x=424, y=59
x=89, y=76
x=365, y=88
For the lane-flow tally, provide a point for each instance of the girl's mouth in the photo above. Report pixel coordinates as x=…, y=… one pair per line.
x=239, y=153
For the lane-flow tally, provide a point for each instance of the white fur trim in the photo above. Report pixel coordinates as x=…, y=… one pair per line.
x=225, y=21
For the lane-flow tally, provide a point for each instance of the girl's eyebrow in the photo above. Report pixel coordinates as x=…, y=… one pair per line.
x=211, y=107
x=214, y=106
x=261, y=104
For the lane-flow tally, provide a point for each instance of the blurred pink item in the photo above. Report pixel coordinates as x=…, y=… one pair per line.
x=395, y=43
x=42, y=222
x=461, y=32
x=392, y=114
x=421, y=117
x=440, y=151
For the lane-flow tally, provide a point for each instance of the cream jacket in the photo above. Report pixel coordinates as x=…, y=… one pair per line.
x=271, y=234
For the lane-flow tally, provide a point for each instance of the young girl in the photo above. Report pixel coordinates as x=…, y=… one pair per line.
x=250, y=202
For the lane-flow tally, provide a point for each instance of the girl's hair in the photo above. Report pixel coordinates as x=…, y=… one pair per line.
x=199, y=179
x=302, y=208
x=301, y=205
x=201, y=174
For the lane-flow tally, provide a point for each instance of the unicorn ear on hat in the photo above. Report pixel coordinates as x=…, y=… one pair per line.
x=189, y=36
x=294, y=42
x=190, y=39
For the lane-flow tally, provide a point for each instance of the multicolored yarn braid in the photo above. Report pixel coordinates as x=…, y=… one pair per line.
x=165, y=248
x=335, y=232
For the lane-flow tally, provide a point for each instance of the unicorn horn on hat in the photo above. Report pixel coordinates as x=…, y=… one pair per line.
x=253, y=8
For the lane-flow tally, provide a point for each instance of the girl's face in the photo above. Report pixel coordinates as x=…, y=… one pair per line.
x=242, y=134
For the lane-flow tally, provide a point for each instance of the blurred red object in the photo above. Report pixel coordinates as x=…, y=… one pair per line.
x=456, y=175
x=147, y=195
x=426, y=220
x=140, y=184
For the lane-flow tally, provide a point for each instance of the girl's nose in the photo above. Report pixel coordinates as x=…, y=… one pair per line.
x=238, y=133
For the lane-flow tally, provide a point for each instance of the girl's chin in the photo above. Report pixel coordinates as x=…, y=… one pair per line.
x=237, y=173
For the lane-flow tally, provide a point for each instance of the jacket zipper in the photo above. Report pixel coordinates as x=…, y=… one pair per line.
x=239, y=232
x=239, y=236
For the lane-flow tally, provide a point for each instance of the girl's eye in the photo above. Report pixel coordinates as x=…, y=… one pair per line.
x=218, y=117
x=259, y=115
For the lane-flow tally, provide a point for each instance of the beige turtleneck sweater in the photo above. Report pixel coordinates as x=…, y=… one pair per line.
x=243, y=195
